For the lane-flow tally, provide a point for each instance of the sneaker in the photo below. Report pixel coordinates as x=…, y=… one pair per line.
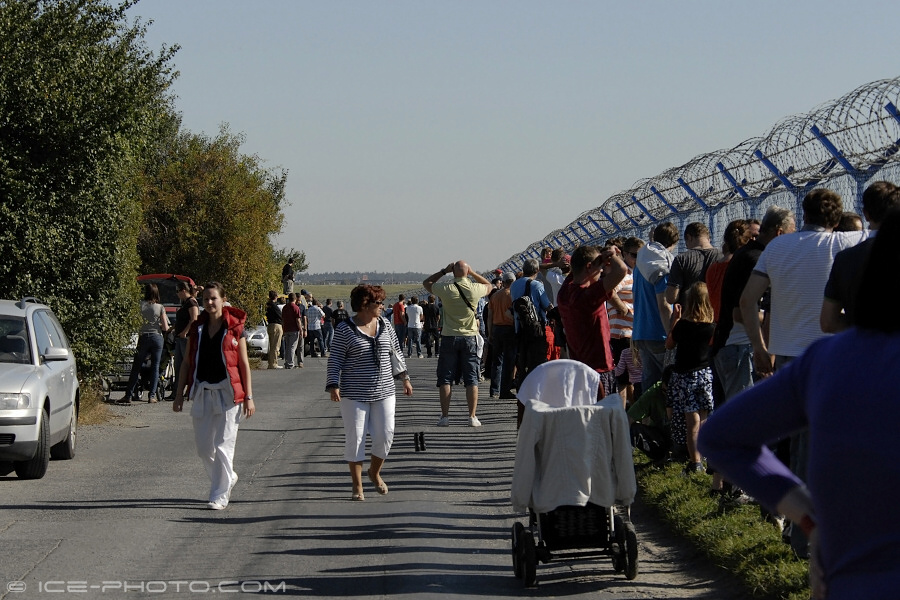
x=231, y=487
x=474, y=422
x=276, y=367
x=420, y=356
x=219, y=505
x=443, y=422
x=126, y=401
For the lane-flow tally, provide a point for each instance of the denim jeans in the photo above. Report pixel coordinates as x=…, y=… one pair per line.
x=328, y=334
x=503, y=340
x=653, y=354
x=316, y=337
x=413, y=336
x=400, y=329
x=149, y=344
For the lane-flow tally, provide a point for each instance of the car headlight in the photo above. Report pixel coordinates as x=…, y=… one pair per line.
x=14, y=401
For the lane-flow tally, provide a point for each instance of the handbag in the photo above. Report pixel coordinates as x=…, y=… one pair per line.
x=398, y=365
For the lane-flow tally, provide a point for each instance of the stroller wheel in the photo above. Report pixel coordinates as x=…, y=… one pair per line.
x=631, y=552
x=529, y=559
x=518, y=533
x=619, y=558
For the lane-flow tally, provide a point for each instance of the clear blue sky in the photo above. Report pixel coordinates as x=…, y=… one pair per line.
x=416, y=133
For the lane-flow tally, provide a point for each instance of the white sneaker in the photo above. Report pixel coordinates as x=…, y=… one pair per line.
x=219, y=505
x=276, y=367
x=231, y=487
x=474, y=422
x=443, y=422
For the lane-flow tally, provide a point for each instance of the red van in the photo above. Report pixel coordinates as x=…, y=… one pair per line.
x=166, y=284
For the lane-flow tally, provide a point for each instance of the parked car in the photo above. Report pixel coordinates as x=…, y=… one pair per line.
x=39, y=393
x=258, y=339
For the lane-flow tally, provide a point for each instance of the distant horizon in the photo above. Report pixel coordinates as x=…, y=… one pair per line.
x=417, y=133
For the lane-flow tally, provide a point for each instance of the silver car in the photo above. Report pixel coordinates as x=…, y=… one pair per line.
x=258, y=339
x=39, y=392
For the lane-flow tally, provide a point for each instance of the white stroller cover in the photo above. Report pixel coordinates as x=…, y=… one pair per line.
x=560, y=383
x=569, y=455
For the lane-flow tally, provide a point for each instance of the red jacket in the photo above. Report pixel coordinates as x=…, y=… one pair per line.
x=234, y=324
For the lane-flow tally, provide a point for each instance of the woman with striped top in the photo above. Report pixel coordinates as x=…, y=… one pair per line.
x=360, y=378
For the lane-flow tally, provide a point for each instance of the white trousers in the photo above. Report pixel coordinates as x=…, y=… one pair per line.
x=374, y=418
x=216, y=421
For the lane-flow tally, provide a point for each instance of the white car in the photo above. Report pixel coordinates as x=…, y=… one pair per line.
x=258, y=339
x=39, y=393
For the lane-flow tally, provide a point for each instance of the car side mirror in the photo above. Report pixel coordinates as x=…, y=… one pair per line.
x=52, y=353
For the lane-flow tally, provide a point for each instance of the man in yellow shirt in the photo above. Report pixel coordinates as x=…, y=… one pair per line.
x=459, y=346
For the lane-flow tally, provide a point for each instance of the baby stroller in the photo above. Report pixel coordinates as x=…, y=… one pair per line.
x=573, y=464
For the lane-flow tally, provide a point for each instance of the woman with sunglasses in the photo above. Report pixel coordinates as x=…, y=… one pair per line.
x=360, y=377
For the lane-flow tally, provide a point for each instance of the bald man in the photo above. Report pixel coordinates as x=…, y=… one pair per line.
x=459, y=346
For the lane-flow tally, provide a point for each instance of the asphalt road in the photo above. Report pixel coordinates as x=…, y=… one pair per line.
x=128, y=518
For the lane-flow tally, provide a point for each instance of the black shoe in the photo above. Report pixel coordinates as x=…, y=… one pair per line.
x=416, y=442
x=422, y=440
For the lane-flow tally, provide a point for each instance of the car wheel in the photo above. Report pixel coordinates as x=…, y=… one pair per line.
x=37, y=466
x=65, y=449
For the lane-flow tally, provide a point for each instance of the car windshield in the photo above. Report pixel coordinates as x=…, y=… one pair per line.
x=167, y=294
x=14, y=346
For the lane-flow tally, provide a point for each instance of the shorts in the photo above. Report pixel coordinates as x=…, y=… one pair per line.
x=458, y=361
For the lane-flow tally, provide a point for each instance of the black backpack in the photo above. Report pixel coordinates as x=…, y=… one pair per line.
x=530, y=325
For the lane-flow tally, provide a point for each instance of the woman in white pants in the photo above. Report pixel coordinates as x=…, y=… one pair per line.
x=216, y=372
x=360, y=377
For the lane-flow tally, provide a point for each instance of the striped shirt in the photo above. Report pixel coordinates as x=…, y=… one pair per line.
x=360, y=365
x=626, y=363
x=620, y=325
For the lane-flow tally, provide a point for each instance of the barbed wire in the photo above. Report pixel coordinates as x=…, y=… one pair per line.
x=852, y=138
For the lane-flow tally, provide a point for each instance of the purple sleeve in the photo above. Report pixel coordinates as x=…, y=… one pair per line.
x=734, y=438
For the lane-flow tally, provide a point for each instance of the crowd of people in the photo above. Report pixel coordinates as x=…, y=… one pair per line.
x=719, y=354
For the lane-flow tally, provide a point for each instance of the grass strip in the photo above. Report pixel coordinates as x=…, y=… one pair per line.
x=733, y=537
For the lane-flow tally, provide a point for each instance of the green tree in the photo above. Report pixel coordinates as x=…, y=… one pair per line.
x=83, y=103
x=210, y=212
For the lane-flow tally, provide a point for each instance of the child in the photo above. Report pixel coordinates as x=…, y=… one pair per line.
x=690, y=389
x=649, y=420
x=630, y=389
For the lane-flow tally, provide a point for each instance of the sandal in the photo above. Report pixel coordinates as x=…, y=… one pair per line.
x=380, y=488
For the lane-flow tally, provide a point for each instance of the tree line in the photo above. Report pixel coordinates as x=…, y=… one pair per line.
x=99, y=182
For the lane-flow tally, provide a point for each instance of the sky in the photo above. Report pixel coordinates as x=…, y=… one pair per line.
x=417, y=133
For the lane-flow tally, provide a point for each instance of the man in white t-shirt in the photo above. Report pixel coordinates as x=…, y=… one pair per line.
x=795, y=267
x=415, y=320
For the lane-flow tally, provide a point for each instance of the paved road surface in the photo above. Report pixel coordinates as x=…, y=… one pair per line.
x=129, y=513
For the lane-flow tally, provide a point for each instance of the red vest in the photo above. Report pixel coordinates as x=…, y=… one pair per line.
x=234, y=328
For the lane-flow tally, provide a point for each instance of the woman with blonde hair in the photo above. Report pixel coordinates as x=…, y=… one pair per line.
x=690, y=388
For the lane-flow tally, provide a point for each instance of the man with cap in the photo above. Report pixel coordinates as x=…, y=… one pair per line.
x=503, y=339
